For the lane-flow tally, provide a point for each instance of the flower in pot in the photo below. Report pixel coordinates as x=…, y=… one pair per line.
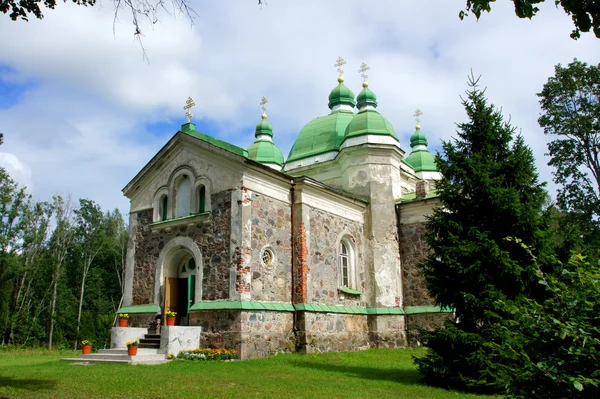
x=170, y=317
x=132, y=347
x=123, y=318
x=86, y=347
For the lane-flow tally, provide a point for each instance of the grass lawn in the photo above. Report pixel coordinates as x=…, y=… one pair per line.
x=376, y=373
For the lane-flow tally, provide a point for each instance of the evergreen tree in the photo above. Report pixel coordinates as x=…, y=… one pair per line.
x=489, y=192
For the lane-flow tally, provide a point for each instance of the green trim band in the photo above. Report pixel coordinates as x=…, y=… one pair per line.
x=140, y=309
x=349, y=291
x=241, y=305
x=180, y=218
x=311, y=307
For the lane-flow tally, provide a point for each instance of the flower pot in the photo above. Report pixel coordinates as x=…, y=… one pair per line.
x=86, y=349
x=132, y=350
x=170, y=321
x=122, y=322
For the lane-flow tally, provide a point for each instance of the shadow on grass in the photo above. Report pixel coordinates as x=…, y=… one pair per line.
x=402, y=376
x=30, y=385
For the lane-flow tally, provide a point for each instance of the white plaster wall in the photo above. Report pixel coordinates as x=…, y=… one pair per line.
x=120, y=335
x=174, y=339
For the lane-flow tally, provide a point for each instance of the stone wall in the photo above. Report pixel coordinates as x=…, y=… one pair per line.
x=252, y=334
x=271, y=228
x=332, y=332
x=325, y=233
x=212, y=237
x=387, y=331
x=414, y=250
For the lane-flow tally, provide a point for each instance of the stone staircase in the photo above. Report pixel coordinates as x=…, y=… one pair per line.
x=148, y=353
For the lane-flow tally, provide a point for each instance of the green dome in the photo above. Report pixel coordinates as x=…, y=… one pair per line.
x=264, y=127
x=366, y=97
x=341, y=95
x=369, y=121
x=321, y=135
x=265, y=151
x=418, y=138
x=420, y=159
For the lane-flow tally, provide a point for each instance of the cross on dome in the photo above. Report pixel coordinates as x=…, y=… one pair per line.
x=363, y=73
x=339, y=64
x=417, y=116
x=263, y=106
x=188, y=108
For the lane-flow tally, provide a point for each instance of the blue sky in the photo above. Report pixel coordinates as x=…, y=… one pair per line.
x=82, y=111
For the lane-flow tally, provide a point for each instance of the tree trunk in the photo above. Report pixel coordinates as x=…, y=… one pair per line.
x=53, y=308
x=86, y=269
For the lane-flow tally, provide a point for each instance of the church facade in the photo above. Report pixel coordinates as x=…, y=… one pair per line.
x=316, y=252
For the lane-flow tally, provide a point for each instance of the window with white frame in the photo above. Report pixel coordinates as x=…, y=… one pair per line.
x=347, y=263
x=183, y=193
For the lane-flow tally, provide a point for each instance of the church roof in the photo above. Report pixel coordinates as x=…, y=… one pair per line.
x=368, y=121
x=420, y=159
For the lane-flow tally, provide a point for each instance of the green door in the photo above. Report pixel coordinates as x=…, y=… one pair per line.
x=191, y=291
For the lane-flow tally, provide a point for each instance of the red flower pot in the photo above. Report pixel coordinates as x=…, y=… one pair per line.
x=170, y=321
x=132, y=350
x=122, y=322
x=86, y=349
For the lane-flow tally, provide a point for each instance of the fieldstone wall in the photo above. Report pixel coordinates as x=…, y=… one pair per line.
x=212, y=236
x=252, y=334
x=220, y=328
x=271, y=228
x=267, y=334
x=325, y=233
x=387, y=331
x=332, y=332
x=414, y=250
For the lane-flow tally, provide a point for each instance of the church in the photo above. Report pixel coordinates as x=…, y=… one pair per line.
x=317, y=251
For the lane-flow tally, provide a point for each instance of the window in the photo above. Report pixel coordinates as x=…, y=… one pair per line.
x=347, y=263
x=164, y=206
x=201, y=199
x=267, y=258
x=344, y=265
x=183, y=195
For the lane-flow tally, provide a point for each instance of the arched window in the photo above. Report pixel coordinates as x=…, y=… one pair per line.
x=344, y=264
x=347, y=263
x=164, y=206
x=183, y=195
x=201, y=199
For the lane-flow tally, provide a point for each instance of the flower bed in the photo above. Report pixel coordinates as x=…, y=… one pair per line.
x=208, y=354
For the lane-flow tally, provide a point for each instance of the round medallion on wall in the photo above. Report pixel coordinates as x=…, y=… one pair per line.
x=267, y=258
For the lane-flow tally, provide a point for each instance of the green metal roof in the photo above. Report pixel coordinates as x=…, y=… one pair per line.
x=321, y=135
x=369, y=122
x=366, y=97
x=412, y=197
x=265, y=151
x=190, y=130
x=420, y=159
x=341, y=95
x=263, y=127
x=140, y=309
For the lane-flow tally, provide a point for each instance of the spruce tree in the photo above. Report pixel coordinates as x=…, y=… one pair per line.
x=489, y=192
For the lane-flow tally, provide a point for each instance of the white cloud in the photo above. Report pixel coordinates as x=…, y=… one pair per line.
x=18, y=171
x=80, y=123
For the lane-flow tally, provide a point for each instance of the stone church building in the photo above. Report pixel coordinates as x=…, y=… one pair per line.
x=313, y=252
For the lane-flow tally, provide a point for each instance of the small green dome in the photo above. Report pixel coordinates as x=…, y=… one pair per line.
x=369, y=121
x=321, y=135
x=418, y=138
x=420, y=159
x=264, y=127
x=341, y=95
x=366, y=97
x=265, y=151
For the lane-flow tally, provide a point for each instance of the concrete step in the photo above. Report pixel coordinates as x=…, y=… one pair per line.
x=157, y=336
x=150, y=341
x=155, y=345
x=86, y=361
x=144, y=356
x=141, y=351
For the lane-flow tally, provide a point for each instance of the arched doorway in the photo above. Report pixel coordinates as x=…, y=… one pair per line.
x=179, y=278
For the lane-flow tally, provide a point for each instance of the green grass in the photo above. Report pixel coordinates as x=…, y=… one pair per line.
x=376, y=373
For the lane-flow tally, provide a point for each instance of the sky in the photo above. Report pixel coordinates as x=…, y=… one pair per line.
x=82, y=110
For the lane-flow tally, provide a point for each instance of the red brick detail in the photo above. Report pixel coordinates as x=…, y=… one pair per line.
x=302, y=266
x=242, y=270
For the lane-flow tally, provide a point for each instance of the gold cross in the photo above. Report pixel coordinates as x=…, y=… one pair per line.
x=188, y=108
x=339, y=64
x=417, y=116
x=263, y=104
x=363, y=71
